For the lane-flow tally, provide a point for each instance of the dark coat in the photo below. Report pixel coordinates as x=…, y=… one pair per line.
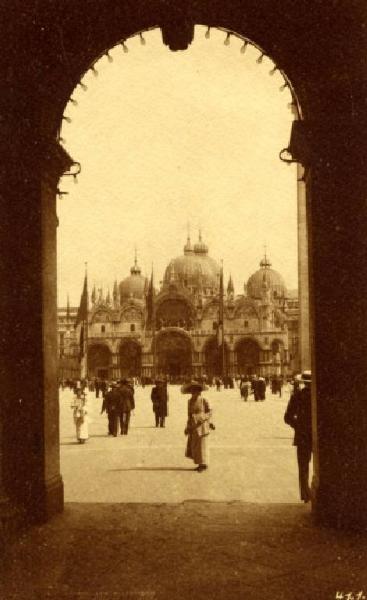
x=159, y=398
x=261, y=389
x=126, y=398
x=111, y=402
x=298, y=416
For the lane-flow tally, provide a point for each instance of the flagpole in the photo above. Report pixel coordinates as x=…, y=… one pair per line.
x=153, y=343
x=222, y=319
x=86, y=326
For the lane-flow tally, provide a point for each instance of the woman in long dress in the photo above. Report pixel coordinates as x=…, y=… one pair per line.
x=198, y=425
x=80, y=415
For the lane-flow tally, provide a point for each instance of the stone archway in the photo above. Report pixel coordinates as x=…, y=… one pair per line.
x=130, y=358
x=173, y=355
x=248, y=357
x=54, y=48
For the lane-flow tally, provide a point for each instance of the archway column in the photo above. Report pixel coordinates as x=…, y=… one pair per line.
x=30, y=440
x=337, y=213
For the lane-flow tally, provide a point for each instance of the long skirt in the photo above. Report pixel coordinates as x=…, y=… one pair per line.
x=198, y=449
x=81, y=425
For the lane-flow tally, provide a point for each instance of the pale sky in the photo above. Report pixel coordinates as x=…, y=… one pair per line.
x=165, y=139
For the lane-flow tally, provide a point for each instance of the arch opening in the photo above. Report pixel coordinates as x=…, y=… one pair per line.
x=178, y=322
x=99, y=362
x=248, y=357
x=173, y=355
x=130, y=359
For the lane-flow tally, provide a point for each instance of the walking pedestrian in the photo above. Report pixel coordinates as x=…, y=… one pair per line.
x=245, y=387
x=255, y=387
x=198, y=425
x=110, y=406
x=261, y=388
x=159, y=397
x=80, y=416
x=298, y=416
x=126, y=404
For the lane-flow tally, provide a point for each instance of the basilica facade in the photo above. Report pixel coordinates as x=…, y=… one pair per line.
x=192, y=326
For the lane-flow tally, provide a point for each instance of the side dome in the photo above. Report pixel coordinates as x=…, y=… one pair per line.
x=133, y=286
x=268, y=278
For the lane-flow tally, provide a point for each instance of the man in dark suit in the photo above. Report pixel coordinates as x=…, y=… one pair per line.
x=110, y=404
x=126, y=404
x=298, y=416
x=159, y=397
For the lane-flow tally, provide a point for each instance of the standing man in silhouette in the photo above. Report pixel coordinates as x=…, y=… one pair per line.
x=159, y=397
x=298, y=416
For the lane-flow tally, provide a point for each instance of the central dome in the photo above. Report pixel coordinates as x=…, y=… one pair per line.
x=194, y=270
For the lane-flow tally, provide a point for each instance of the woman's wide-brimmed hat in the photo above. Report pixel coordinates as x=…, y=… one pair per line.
x=306, y=376
x=193, y=386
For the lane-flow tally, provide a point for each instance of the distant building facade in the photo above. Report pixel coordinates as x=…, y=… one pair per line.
x=173, y=331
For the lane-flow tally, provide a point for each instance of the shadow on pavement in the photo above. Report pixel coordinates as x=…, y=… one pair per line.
x=154, y=469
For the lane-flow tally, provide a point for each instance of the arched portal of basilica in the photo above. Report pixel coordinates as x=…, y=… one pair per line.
x=173, y=355
x=99, y=361
x=248, y=357
x=130, y=359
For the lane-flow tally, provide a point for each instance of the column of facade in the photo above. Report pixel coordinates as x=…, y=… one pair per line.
x=231, y=370
x=115, y=366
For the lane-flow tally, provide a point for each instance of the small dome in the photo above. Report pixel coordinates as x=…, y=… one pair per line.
x=134, y=285
x=187, y=247
x=266, y=277
x=200, y=247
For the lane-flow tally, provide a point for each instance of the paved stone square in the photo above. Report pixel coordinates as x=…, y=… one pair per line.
x=140, y=523
x=251, y=454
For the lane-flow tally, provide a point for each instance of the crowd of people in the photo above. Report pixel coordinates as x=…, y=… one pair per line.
x=118, y=403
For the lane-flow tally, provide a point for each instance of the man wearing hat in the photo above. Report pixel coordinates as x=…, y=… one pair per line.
x=159, y=397
x=126, y=404
x=298, y=416
x=110, y=404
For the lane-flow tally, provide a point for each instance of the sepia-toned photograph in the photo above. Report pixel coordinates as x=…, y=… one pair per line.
x=184, y=300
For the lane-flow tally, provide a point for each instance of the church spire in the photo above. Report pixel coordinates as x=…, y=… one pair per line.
x=265, y=262
x=200, y=247
x=188, y=248
x=135, y=269
x=230, y=286
x=115, y=294
x=93, y=295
